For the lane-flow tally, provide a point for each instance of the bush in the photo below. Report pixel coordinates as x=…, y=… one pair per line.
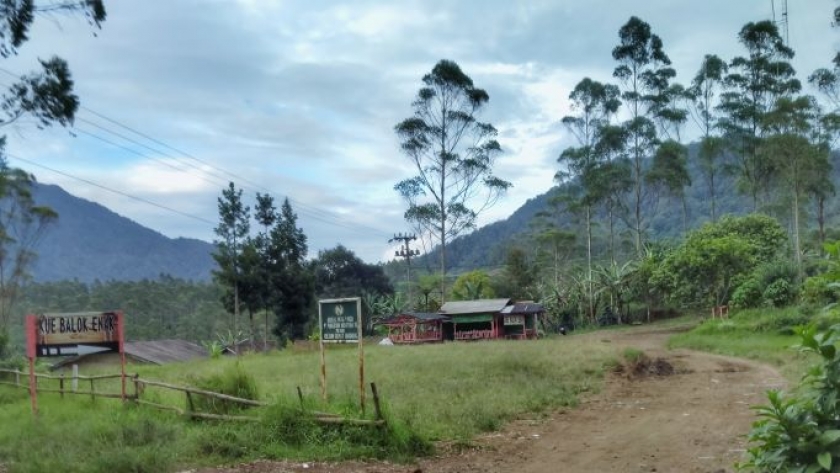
x=748, y=295
x=234, y=381
x=772, y=284
x=799, y=433
x=817, y=291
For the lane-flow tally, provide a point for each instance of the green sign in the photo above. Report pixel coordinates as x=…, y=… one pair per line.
x=340, y=319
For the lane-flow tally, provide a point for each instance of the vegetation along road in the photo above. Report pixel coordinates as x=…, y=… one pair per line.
x=671, y=411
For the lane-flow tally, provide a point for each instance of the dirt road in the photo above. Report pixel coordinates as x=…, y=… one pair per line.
x=691, y=420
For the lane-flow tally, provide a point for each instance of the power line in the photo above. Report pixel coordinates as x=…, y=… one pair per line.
x=124, y=194
x=313, y=212
x=301, y=205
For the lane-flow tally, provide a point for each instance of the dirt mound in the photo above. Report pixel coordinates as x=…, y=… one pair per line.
x=655, y=367
x=643, y=366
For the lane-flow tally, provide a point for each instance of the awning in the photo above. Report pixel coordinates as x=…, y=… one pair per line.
x=471, y=319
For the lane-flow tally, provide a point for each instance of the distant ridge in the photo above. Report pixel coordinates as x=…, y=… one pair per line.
x=90, y=242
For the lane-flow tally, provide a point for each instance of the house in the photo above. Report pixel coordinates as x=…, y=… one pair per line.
x=156, y=352
x=473, y=320
x=485, y=319
x=415, y=327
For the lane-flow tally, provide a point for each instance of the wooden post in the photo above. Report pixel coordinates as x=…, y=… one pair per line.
x=323, y=357
x=33, y=386
x=376, y=407
x=31, y=335
x=190, y=406
x=61, y=385
x=75, y=381
x=92, y=393
x=17, y=378
x=300, y=396
x=323, y=371
x=121, y=335
x=362, y=356
x=136, y=387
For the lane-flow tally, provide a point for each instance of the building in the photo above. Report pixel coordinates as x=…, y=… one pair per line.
x=482, y=319
x=156, y=352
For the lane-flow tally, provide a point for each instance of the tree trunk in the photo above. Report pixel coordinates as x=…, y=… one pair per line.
x=589, y=257
x=235, y=317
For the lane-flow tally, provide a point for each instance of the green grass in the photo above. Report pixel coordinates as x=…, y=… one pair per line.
x=430, y=392
x=765, y=335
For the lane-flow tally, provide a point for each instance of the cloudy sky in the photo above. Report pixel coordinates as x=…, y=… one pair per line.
x=300, y=98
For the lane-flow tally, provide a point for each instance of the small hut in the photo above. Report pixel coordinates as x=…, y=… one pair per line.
x=519, y=320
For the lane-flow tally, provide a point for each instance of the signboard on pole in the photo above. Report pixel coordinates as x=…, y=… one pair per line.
x=76, y=334
x=72, y=334
x=340, y=321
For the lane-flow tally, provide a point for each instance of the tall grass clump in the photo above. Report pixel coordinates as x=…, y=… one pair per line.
x=233, y=381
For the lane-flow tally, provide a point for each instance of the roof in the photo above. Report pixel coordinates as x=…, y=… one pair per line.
x=153, y=351
x=164, y=351
x=524, y=308
x=479, y=306
x=424, y=316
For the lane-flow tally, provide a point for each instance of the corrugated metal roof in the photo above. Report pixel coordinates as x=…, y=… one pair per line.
x=425, y=316
x=164, y=351
x=524, y=308
x=474, y=307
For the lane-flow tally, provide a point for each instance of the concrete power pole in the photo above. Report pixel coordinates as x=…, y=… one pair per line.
x=406, y=252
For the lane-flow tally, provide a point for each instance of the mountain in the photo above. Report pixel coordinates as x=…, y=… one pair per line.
x=90, y=242
x=486, y=246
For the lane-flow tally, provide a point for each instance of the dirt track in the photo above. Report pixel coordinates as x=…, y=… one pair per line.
x=693, y=420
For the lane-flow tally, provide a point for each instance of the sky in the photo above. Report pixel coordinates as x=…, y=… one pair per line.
x=299, y=99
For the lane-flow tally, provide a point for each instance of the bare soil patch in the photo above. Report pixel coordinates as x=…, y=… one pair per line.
x=683, y=412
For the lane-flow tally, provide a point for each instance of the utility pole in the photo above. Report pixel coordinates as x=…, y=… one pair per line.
x=406, y=252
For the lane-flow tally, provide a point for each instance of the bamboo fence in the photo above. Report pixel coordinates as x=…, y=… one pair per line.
x=140, y=385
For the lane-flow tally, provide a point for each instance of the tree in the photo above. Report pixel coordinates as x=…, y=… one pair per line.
x=797, y=161
x=753, y=85
x=712, y=261
x=703, y=94
x=519, y=275
x=233, y=229
x=22, y=224
x=669, y=171
x=340, y=273
x=595, y=104
x=452, y=153
x=266, y=215
x=294, y=285
x=643, y=69
x=471, y=286
x=46, y=95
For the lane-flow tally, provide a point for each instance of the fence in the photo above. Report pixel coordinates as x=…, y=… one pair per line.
x=189, y=411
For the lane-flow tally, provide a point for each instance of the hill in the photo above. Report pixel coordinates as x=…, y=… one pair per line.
x=90, y=242
x=486, y=246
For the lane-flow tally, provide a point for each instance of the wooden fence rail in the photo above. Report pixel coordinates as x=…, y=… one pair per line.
x=140, y=385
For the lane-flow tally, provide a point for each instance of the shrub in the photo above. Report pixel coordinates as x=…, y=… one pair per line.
x=748, y=295
x=799, y=433
x=772, y=284
x=818, y=291
x=234, y=381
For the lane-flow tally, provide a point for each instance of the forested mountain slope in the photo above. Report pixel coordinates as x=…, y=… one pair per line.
x=486, y=246
x=90, y=242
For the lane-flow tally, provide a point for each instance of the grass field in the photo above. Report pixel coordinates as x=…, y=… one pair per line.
x=765, y=335
x=446, y=391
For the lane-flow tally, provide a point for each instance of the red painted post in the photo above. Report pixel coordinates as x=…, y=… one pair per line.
x=31, y=338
